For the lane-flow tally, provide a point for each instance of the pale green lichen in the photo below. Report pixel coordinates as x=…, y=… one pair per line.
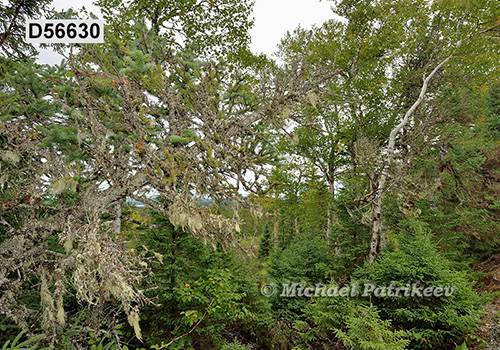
x=63, y=184
x=10, y=157
x=68, y=243
x=133, y=320
x=61, y=316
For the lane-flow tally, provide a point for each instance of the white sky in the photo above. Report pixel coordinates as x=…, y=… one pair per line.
x=273, y=18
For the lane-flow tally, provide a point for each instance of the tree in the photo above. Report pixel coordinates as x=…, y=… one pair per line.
x=12, y=16
x=197, y=291
x=385, y=61
x=366, y=331
x=434, y=320
x=265, y=246
x=142, y=116
x=314, y=137
x=306, y=260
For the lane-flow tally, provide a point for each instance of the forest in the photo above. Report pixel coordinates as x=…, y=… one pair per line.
x=172, y=189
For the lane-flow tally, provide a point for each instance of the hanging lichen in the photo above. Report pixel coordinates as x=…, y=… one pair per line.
x=61, y=316
x=10, y=157
x=313, y=99
x=286, y=113
x=133, y=320
x=68, y=243
x=63, y=184
x=46, y=302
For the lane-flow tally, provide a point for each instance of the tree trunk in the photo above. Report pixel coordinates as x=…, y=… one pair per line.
x=330, y=214
x=377, y=210
x=383, y=237
x=332, y=217
x=328, y=225
x=275, y=229
x=117, y=222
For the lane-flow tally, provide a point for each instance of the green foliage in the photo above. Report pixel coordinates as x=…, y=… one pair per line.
x=236, y=346
x=306, y=260
x=106, y=342
x=29, y=344
x=266, y=244
x=12, y=26
x=493, y=104
x=197, y=288
x=330, y=313
x=367, y=331
x=352, y=231
x=212, y=27
x=146, y=111
x=359, y=326
x=433, y=321
x=463, y=212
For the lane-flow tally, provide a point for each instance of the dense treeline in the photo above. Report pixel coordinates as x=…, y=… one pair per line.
x=169, y=189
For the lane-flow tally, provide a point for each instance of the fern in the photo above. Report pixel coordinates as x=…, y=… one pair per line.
x=15, y=345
